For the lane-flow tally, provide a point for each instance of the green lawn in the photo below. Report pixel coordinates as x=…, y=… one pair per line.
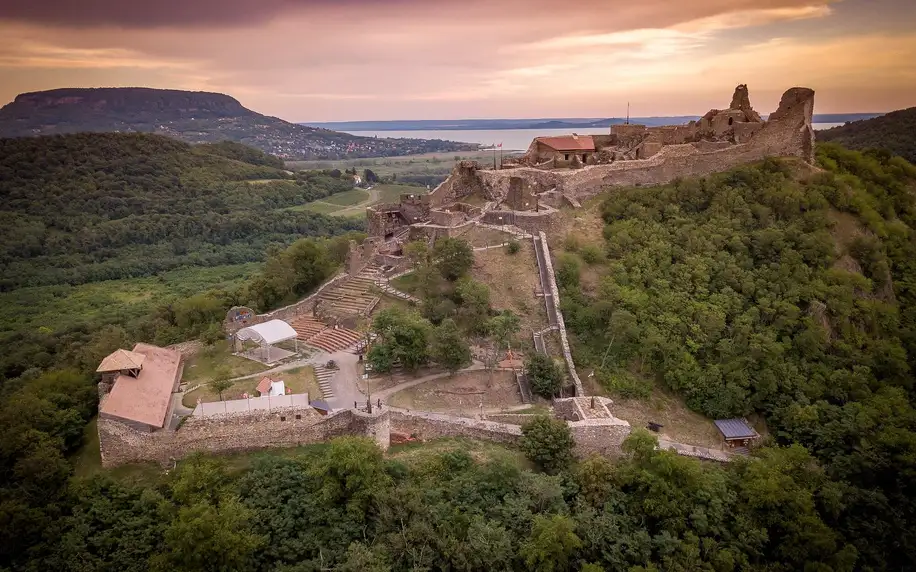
x=299, y=380
x=203, y=366
x=347, y=198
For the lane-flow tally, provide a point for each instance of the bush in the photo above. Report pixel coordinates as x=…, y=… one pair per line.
x=591, y=254
x=572, y=243
x=568, y=271
x=625, y=384
x=545, y=377
x=513, y=247
x=548, y=443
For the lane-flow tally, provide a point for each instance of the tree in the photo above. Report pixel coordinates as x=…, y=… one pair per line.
x=381, y=358
x=502, y=328
x=474, y=304
x=222, y=380
x=551, y=544
x=548, y=443
x=405, y=336
x=204, y=537
x=453, y=257
x=369, y=176
x=544, y=375
x=449, y=348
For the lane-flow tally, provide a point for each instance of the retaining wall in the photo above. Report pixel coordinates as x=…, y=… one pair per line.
x=564, y=341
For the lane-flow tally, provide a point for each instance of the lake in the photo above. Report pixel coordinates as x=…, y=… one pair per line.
x=512, y=139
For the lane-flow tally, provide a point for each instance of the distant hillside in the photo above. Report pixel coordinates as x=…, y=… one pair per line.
x=194, y=117
x=895, y=132
x=102, y=206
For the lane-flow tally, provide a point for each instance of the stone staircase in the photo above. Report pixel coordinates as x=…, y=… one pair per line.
x=317, y=334
x=355, y=297
x=324, y=376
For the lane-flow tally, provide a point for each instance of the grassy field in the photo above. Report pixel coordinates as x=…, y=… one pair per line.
x=426, y=164
x=117, y=301
x=348, y=198
x=298, y=380
x=204, y=365
x=353, y=203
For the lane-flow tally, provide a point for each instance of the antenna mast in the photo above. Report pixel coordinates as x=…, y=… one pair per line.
x=628, y=113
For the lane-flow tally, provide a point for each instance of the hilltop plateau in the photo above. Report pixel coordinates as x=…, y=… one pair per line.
x=193, y=117
x=895, y=132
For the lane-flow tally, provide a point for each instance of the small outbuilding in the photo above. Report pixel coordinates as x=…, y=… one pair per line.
x=266, y=335
x=737, y=432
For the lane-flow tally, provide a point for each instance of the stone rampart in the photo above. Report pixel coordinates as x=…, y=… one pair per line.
x=564, y=341
x=286, y=427
x=425, y=426
x=599, y=436
x=787, y=133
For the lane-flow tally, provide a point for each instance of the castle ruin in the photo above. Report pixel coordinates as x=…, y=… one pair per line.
x=555, y=171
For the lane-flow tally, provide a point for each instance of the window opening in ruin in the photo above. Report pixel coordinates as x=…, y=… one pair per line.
x=584, y=157
x=298, y=416
x=731, y=120
x=282, y=418
x=566, y=156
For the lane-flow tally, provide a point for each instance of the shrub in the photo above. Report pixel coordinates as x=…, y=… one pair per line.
x=625, y=384
x=591, y=254
x=545, y=377
x=548, y=443
x=513, y=247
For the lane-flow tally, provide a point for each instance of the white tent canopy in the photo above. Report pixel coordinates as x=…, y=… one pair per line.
x=268, y=333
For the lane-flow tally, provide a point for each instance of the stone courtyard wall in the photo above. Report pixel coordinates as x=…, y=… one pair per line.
x=238, y=432
x=259, y=430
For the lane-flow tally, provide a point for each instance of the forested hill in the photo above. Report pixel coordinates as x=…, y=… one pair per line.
x=895, y=132
x=194, y=117
x=89, y=207
x=782, y=292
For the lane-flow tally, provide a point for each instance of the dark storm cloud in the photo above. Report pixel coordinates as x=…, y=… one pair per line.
x=151, y=13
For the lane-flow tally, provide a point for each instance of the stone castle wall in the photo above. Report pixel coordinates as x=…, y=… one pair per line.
x=249, y=431
x=787, y=133
x=257, y=430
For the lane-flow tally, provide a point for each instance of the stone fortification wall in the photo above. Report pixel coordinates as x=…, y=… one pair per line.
x=599, y=436
x=564, y=341
x=257, y=430
x=787, y=133
x=425, y=426
x=286, y=427
x=462, y=182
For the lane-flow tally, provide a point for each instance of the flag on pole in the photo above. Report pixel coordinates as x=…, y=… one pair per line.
x=500, y=145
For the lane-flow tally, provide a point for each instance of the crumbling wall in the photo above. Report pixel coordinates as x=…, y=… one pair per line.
x=787, y=133
x=447, y=217
x=253, y=430
x=383, y=219
x=462, y=182
x=425, y=426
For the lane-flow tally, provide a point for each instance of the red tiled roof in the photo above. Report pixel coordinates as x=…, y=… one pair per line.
x=145, y=398
x=569, y=142
x=264, y=385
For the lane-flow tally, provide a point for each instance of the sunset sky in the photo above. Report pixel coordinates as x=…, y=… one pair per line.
x=327, y=60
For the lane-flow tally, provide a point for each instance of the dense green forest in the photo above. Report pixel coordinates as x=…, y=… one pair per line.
x=779, y=292
x=773, y=288
x=90, y=207
x=97, y=209
x=895, y=132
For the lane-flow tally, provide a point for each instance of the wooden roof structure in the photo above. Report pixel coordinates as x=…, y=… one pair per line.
x=121, y=360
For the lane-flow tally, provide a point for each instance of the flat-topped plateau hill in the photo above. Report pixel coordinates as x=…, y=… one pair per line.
x=193, y=117
x=895, y=132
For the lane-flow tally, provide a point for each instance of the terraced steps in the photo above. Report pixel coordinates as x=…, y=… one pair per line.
x=331, y=340
x=324, y=376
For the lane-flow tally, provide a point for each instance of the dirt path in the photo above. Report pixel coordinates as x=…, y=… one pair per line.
x=374, y=196
x=386, y=393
